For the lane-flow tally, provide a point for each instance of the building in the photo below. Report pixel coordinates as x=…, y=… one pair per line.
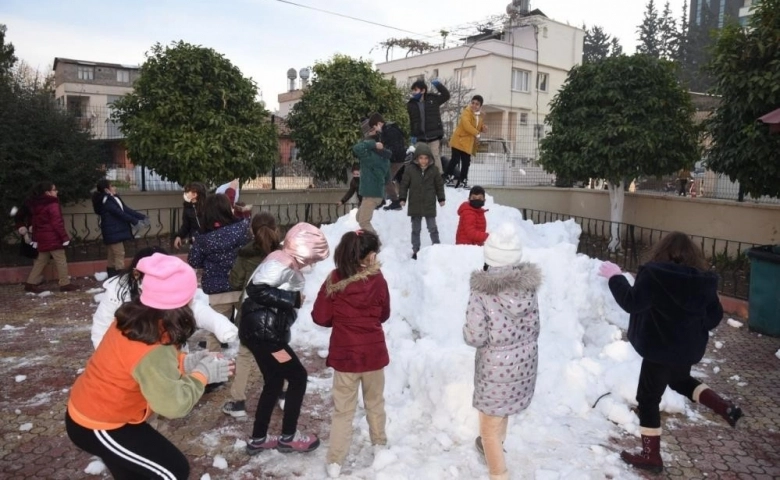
x=714, y=13
x=746, y=11
x=517, y=70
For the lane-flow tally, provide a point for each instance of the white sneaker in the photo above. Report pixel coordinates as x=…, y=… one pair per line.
x=334, y=470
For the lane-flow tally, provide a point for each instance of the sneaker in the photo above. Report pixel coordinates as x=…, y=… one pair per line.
x=69, y=288
x=333, y=469
x=463, y=184
x=281, y=399
x=32, y=288
x=235, y=408
x=298, y=443
x=257, y=445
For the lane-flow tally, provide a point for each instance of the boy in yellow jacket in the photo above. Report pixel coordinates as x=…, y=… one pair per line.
x=464, y=142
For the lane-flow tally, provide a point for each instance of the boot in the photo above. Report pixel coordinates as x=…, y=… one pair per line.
x=707, y=397
x=650, y=456
x=32, y=288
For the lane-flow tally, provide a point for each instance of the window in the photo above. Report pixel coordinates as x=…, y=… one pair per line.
x=538, y=131
x=523, y=118
x=123, y=76
x=465, y=77
x=520, y=80
x=542, y=81
x=86, y=73
x=435, y=73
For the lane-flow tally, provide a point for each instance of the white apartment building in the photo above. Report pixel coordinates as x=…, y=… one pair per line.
x=517, y=71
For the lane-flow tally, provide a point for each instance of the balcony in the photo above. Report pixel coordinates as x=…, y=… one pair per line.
x=97, y=119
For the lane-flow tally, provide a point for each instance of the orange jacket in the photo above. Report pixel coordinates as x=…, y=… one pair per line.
x=464, y=138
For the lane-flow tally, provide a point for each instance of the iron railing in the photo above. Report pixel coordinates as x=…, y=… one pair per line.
x=728, y=258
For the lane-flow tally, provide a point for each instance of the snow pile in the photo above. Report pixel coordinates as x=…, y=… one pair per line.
x=220, y=462
x=95, y=467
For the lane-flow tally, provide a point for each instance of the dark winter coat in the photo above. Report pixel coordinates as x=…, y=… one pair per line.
x=355, y=308
x=249, y=257
x=502, y=321
x=116, y=219
x=267, y=315
x=672, y=309
x=215, y=252
x=48, y=226
x=354, y=186
x=374, y=169
x=423, y=188
x=190, y=223
x=472, y=226
x=424, y=115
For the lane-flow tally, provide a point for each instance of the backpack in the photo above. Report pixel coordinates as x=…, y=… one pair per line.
x=395, y=141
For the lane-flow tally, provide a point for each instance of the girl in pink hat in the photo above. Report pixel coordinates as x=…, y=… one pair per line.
x=271, y=299
x=137, y=369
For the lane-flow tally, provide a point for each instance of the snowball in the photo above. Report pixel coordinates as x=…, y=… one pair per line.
x=734, y=323
x=26, y=427
x=47, y=293
x=205, y=476
x=20, y=378
x=719, y=345
x=100, y=276
x=95, y=467
x=220, y=462
x=716, y=369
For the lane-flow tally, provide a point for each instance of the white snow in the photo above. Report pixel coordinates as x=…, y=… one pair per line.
x=205, y=476
x=20, y=378
x=100, y=276
x=718, y=345
x=734, y=323
x=220, y=462
x=95, y=290
x=95, y=467
x=26, y=427
x=777, y=354
x=716, y=369
x=11, y=327
x=47, y=293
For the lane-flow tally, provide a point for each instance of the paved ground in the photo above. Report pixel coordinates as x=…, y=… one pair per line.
x=46, y=340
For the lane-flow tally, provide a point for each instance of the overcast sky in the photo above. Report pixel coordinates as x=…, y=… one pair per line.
x=265, y=38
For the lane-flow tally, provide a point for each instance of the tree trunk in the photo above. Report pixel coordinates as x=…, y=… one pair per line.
x=617, y=197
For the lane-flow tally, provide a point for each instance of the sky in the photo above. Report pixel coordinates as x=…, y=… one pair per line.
x=585, y=385
x=265, y=38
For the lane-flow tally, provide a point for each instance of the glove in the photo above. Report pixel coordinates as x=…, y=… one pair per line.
x=215, y=369
x=609, y=270
x=436, y=82
x=65, y=244
x=411, y=149
x=191, y=360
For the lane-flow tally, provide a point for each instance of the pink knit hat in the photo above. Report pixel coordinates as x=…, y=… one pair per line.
x=168, y=282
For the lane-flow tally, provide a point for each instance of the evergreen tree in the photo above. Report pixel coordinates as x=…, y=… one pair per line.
x=649, y=32
x=597, y=44
x=615, y=47
x=7, y=57
x=668, y=34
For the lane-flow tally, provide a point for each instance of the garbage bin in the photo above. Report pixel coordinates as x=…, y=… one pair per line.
x=764, y=296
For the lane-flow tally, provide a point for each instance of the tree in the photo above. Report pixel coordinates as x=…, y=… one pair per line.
x=649, y=30
x=615, y=47
x=682, y=41
x=411, y=45
x=7, y=57
x=596, y=45
x=194, y=116
x=697, y=53
x=667, y=31
x=325, y=123
x=746, y=69
x=619, y=119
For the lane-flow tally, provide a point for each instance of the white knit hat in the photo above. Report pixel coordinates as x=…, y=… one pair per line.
x=503, y=246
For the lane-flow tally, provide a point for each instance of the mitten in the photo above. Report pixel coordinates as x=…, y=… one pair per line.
x=215, y=369
x=191, y=360
x=609, y=270
x=411, y=149
x=436, y=82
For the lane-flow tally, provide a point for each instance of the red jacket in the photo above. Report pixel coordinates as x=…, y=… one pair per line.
x=472, y=226
x=45, y=218
x=355, y=308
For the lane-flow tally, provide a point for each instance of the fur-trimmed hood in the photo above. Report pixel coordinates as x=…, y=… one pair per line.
x=339, y=286
x=523, y=276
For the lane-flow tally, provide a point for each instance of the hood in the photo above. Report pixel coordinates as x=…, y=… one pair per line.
x=523, y=276
x=41, y=200
x=339, y=286
x=467, y=206
x=685, y=288
x=306, y=244
x=422, y=149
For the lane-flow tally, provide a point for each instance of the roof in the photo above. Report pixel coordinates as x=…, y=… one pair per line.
x=772, y=118
x=97, y=64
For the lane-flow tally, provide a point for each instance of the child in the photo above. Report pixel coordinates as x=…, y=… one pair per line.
x=116, y=219
x=355, y=301
x=268, y=312
x=127, y=288
x=673, y=305
x=374, y=168
x=42, y=215
x=423, y=184
x=354, y=186
x=266, y=240
x=472, y=226
x=502, y=321
x=464, y=141
x=138, y=369
x=192, y=213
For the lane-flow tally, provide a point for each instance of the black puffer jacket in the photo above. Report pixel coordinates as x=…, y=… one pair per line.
x=429, y=127
x=190, y=224
x=267, y=314
x=672, y=308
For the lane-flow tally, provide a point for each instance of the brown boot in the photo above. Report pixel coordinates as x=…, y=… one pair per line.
x=707, y=397
x=31, y=287
x=650, y=456
x=69, y=288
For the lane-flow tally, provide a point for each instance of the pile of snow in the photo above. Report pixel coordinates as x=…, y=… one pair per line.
x=431, y=424
x=95, y=467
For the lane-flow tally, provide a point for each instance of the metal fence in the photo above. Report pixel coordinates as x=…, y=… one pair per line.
x=726, y=257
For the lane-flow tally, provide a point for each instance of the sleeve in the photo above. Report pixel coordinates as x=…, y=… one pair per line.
x=438, y=183
x=269, y=296
x=406, y=180
x=55, y=217
x=210, y=320
x=473, y=235
x=169, y=392
x=361, y=149
x=185, y=231
x=322, y=313
x=444, y=94
x=631, y=299
x=110, y=207
x=103, y=317
x=475, y=331
x=714, y=313
x=352, y=189
x=238, y=274
x=465, y=123
x=135, y=213
x=197, y=255
x=414, y=114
